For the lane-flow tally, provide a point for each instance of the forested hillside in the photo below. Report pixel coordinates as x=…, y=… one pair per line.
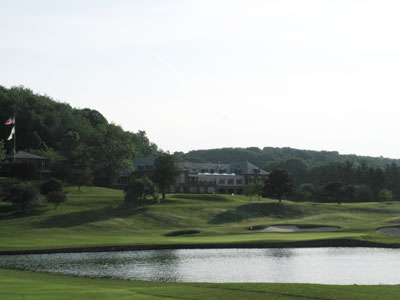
x=267, y=155
x=76, y=138
x=318, y=175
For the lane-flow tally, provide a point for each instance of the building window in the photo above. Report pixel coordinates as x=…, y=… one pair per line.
x=239, y=181
x=230, y=181
x=221, y=181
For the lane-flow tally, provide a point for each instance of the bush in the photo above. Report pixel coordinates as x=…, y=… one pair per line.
x=137, y=190
x=50, y=186
x=385, y=195
x=23, y=196
x=56, y=197
x=306, y=192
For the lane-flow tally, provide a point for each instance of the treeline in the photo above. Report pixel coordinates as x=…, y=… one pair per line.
x=318, y=175
x=76, y=139
x=342, y=181
x=267, y=155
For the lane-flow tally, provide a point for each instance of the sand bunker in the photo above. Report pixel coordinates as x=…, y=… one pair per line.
x=390, y=230
x=292, y=228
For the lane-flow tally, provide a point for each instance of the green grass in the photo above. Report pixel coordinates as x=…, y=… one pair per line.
x=35, y=286
x=97, y=217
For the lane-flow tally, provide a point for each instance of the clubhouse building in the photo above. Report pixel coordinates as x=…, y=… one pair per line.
x=200, y=178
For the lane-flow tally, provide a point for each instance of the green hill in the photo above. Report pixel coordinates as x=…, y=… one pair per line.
x=97, y=217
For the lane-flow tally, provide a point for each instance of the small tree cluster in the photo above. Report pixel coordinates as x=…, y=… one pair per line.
x=56, y=198
x=52, y=189
x=51, y=185
x=252, y=189
x=166, y=172
x=72, y=176
x=279, y=184
x=137, y=191
x=23, y=196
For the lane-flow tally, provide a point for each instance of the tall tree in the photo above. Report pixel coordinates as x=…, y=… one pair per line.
x=2, y=152
x=112, y=153
x=279, y=184
x=166, y=172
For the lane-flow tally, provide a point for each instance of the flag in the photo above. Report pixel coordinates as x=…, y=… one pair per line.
x=11, y=134
x=10, y=121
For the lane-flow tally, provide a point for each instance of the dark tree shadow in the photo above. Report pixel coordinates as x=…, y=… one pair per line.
x=8, y=212
x=84, y=217
x=203, y=197
x=256, y=210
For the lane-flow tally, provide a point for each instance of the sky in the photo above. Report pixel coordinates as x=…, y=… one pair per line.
x=306, y=74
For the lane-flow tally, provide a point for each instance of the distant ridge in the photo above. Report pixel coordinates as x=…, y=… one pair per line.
x=267, y=155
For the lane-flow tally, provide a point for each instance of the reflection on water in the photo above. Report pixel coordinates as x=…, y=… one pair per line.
x=309, y=265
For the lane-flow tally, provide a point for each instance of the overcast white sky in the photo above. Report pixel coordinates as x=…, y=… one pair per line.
x=318, y=75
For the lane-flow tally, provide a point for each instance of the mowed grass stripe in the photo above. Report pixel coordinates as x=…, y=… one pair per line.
x=36, y=286
x=98, y=217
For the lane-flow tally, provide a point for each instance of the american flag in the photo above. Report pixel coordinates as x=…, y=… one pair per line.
x=10, y=121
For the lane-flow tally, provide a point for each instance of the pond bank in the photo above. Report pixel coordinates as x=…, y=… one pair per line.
x=298, y=244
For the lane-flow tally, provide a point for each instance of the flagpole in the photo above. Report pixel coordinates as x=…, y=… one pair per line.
x=15, y=135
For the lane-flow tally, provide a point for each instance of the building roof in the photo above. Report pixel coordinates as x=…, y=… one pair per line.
x=25, y=155
x=246, y=168
x=205, y=167
x=210, y=168
x=143, y=161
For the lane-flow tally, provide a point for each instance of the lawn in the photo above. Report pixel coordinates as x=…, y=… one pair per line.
x=35, y=286
x=98, y=217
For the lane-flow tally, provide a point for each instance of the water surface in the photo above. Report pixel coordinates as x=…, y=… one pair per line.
x=302, y=265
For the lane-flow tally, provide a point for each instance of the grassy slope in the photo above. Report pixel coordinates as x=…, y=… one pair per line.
x=96, y=216
x=27, y=285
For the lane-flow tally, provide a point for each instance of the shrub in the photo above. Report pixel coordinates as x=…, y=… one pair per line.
x=385, y=195
x=306, y=192
x=50, y=186
x=56, y=197
x=137, y=190
x=23, y=196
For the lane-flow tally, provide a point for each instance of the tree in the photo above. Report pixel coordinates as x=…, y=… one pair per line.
x=249, y=190
x=297, y=168
x=166, y=172
x=362, y=193
x=252, y=189
x=2, y=152
x=385, y=195
x=279, y=184
x=307, y=191
x=51, y=185
x=23, y=196
x=56, y=197
x=113, y=153
x=79, y=177
x=392, y=175
x=137, y=190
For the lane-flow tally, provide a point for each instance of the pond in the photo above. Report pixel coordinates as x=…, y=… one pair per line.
x=302, y=265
